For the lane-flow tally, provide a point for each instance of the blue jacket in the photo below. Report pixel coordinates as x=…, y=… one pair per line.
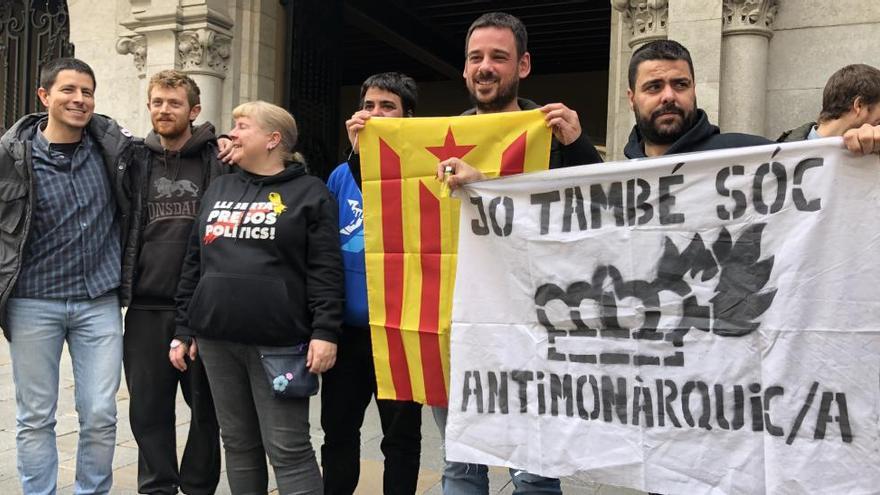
x=346, y=189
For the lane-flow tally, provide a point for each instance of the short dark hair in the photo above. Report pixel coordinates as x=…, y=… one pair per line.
x=49, y=71
x=505, y=21
x=657, y=50
x=844, y=86
x=397, y=83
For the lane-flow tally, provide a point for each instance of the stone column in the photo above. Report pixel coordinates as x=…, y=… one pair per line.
x=204, y=55
x=189, y=35
x=645, y=20
x=746, y=33
x=696, y=24
x=136, y=46
x=633, y=23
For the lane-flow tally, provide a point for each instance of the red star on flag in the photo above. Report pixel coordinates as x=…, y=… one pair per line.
x=450, y=149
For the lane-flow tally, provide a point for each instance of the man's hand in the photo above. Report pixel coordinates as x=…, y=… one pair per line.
x=563, y=121
x=353, y=125
x=460, y=173
x=178, y=353
x=864, y=140
x=321, y=356
x=224, y=146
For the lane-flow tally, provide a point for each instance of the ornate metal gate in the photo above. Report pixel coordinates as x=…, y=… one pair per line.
x=32, y=32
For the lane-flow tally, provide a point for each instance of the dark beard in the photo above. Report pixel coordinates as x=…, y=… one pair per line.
x=506, y=94
x=651, y=134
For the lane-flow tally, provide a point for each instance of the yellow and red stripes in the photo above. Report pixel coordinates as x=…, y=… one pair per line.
x=392, y=239
x=411, y=235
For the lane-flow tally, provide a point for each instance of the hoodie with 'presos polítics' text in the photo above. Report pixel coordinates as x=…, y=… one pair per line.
x=263, y=264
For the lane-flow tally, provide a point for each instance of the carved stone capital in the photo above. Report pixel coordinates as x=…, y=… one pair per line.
x=219, y=48
x=190, y=53
x=135, y=45
x=204, y=49
x=646, y=19
x=748, y=17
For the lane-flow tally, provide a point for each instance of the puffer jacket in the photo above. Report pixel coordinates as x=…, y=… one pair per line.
x=125, y=160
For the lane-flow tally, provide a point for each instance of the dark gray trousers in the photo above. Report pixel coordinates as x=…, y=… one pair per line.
x=254, y=424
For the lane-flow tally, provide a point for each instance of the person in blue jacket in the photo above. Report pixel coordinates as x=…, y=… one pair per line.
x=351, y=384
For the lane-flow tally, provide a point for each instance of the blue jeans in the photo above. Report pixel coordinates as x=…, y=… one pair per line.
x=93, y=331
x=460, y=478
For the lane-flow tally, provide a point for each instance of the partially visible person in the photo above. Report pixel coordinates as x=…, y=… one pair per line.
x=183, y=161
x=69, y=216
x=851, y=99
x=348, y=388
x=496, y=58
x=262, y=271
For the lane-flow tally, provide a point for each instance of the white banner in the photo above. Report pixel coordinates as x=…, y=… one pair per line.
x=700, y=323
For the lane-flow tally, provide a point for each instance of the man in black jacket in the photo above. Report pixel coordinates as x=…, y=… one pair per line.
x=69, y=214
x=183, y=161
x=662, y=95
x=496, y=58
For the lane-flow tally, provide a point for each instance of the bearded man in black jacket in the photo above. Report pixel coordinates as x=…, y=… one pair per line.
x=662, y=95
x=183, y=161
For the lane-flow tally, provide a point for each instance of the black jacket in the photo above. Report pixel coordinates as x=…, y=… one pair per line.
x=796, y=134
x=176, y=182
x=580, y=152
x=125, y=161
x=703, y=136
x=263, y=264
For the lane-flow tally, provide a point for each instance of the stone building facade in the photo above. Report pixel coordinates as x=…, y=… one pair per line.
x=229, y=47
x=760, y=64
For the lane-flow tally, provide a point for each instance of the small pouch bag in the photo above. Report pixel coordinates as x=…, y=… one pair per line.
x=286, y=370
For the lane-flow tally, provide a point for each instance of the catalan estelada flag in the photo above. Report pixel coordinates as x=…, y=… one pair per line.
x=411, y=233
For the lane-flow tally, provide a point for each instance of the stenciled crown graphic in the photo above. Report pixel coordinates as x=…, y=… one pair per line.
x=739, y=299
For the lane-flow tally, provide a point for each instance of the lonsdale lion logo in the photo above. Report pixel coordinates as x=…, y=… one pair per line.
x=738, y=300
x=166, y=188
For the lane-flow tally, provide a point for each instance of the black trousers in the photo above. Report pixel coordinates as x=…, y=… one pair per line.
x=346, y=391
x=152, y=387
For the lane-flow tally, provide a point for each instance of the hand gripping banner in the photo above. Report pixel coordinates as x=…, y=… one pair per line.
x=411, y=234
x=704, y=323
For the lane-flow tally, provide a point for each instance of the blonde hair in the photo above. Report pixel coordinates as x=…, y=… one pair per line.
x=273, y=118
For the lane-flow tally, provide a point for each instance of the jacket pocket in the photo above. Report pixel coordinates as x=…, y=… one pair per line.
x=233, y=305
x=13, y=200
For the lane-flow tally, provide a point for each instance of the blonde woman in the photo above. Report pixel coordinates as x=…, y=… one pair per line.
x=261, y=293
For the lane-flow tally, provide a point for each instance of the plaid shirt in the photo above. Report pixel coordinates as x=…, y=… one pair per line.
x=73, y=249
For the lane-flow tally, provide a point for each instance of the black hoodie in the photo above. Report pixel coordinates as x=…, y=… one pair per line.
x=177, y=181
x=703, y=136
x=263, y=264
